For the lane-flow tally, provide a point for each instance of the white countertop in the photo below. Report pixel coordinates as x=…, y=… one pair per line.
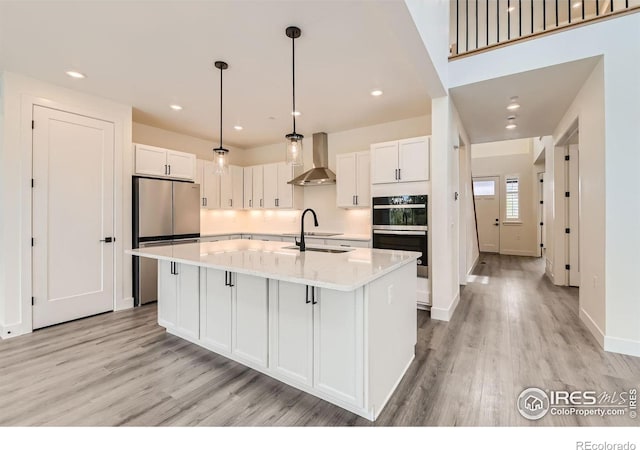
x=337, y=236
x=341, y=271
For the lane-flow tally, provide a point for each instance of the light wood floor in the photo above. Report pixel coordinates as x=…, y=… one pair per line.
x=515, y=331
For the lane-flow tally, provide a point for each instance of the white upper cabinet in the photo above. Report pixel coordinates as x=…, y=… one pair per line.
x=253, y=187
x=353, y=180
x=161, y=162
x=231, y=188
x=277, y=192
x=413, y=159
x=209, y=184
x=400, y=161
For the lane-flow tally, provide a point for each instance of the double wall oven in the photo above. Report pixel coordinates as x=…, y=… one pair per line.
x=400, y=223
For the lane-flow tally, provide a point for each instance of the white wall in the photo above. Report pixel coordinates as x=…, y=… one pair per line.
x=146, y=134
x=19, y=93
x=588, y=109
x=469, y=251
x=507, y=158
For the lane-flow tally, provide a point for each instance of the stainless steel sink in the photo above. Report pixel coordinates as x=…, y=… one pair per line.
x=316, y=249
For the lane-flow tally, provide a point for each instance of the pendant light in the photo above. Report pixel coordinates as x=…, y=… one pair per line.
x=221, y=154
x=294, y=140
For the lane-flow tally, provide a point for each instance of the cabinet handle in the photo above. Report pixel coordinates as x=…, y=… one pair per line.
x=277, y=202
x=356, y=199
x=250, y=203
x=313, y=296
x=231, y=279
x=174, y=268
x=206, y=201
x=306, y=300
x=166, y=172
x=396, y=174
x=226, y=278
x=169, y=166
x=260, y=203
x=399, y=174
x=231, y=202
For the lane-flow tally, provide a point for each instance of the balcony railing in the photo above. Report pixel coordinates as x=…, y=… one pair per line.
x=482, y=24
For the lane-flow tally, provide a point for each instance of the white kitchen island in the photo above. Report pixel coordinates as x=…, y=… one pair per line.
x=340, y=326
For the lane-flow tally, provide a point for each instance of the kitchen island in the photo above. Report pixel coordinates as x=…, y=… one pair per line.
x=337, y=323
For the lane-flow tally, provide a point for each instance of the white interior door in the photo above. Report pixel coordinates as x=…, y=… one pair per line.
x=73, y=161
x=574, y=217
x=486, y=191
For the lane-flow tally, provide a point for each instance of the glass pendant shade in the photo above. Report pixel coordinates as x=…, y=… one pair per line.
x=294, y=149
x=221, y=161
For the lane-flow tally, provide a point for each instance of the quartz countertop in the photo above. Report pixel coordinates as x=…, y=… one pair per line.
x=340, y=271
x=337, y=236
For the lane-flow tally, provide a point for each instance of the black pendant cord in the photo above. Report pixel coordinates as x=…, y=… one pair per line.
x=221, y=108
x=293, y=72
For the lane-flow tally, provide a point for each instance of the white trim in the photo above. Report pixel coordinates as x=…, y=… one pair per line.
x=445, y=314
x=125, y=303
x=592, y=326
x=621, y=345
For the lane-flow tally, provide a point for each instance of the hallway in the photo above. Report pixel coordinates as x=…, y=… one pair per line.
x=513, y=329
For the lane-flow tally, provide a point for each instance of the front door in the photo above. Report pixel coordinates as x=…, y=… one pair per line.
x=486, y=191
x=73, y=161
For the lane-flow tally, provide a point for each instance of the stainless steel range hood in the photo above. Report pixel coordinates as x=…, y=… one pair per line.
x=320, y=174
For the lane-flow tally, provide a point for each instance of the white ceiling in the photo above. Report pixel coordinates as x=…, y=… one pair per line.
x=544, y=96
x=152, y=54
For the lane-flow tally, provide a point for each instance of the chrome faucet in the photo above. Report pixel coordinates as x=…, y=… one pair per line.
x=301, y=244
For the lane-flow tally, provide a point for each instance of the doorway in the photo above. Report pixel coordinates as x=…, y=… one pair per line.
x=72, y=216
x=486, y=191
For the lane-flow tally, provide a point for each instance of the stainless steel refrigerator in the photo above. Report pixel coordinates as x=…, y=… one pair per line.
x=165, y=212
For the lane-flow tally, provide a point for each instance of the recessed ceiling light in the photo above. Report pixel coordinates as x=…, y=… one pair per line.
x=376, y=92
x=296, y=113
x=511, y=126
x=237, y=127
x=176, y=107
x=577, y=4
x=74, y=74
x=513, y=105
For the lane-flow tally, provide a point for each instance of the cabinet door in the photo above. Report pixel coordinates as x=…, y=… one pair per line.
x=384, y=162
x=211, y=186
x=199, y=179
x=250, y=319
x=188, y=304
x=151, y=160
x=291, y=331
x=270, y=181
x=413, y=159
x=226, y=189
x=258, y=200
x=167, y=295
x=285, y=190
x=215, y=311
x=181, y=165
x=346, y=180
x=248, y=188
x=363, y=179
x=237, y=186
x=339, y=345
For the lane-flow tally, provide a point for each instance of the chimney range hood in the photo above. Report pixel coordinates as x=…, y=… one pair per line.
x=320, y=174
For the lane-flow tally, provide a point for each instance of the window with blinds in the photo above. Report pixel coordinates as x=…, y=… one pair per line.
x=512, y=199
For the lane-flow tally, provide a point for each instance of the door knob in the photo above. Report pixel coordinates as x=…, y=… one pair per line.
x=108, y=239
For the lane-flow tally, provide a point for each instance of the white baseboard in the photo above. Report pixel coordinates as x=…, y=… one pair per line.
x=475, y=263
x=13, y=330
x=124, y=303
x=592, y=326
x=445, y=314
x=621, y=345
x=518, y=252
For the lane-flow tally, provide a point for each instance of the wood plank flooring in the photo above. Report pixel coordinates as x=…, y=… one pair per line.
x=512, y=329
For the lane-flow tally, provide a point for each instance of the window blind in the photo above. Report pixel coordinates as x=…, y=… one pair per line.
x=513, y=199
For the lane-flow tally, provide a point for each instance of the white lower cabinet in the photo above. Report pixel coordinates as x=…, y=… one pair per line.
x=317, y=339
x=215, y=311
x=250, y=318
x=179, y=298
x=291, y=332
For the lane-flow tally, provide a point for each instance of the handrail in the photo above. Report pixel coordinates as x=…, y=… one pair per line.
x=482, y=25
